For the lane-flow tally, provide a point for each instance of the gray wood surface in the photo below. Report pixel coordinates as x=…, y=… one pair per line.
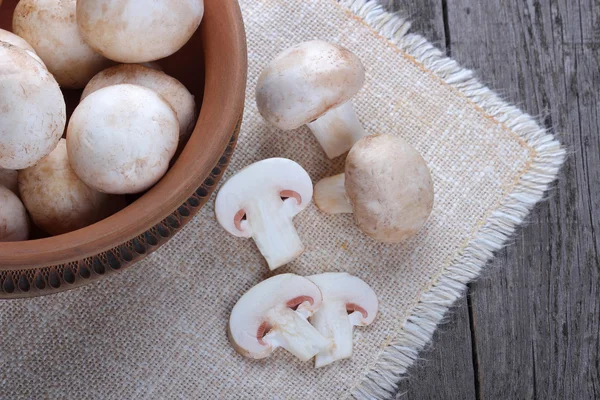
x=530, y=328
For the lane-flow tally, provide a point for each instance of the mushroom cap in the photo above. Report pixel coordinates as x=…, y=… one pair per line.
x=307, y=80
x=252, y=309
x=57, y=200
x=358, y=297
x=121, y=138
x=136, y=31
x=9, y=179
x=14, y=223
x=173, y=91
x=33, y=121
x=49, y=26
x=389, y=187
x=269, y=178
x=11, y=38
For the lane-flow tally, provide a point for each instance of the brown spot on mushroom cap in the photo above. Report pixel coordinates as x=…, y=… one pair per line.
x=49, y=26
x=389, y=186
x=307, y=80
x=58, y=200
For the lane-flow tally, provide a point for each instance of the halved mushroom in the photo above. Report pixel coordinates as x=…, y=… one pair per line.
x=274, y=314
x=347, y=302
x=50, y=27
x=260, y=202
x=173, y=91
x=136, y=31
x=32, y=119
x=387, y=185
x=311, y=84
x=11, y=38
x=14, y=222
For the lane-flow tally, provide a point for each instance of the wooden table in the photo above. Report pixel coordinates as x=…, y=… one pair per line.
x=530, y=327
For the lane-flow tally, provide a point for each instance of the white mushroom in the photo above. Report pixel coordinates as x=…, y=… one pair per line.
x=9, y=179
x=50, y=27
x=274, y=314
x=347, y=302
x=14, y=223
x=33, y=121
x=121, y=138
x=260, y=202
x=387, y=185
x=312, y=83
x=136, y=31
x=173, y=91
x=11, y=38
x=57, y=200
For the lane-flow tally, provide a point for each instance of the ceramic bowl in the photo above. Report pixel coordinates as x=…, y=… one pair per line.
x=213, y=66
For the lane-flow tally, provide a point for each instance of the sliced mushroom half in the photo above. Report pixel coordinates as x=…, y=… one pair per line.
x=260, y=202
x=347, y=302
x=274, y=314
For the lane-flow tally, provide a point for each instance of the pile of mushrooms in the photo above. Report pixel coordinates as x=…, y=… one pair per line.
x=386, y=185
x=130, y=124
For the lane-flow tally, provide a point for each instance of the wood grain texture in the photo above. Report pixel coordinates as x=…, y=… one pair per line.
x=445, y=370
x=535, y=314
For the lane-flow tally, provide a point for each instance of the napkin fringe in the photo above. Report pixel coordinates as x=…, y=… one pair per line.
x=381, y=378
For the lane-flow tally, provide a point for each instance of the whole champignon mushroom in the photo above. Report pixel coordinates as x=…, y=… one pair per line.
x=311, y=84
x=387, y=185
x=347, y=302
x=274, y=314
x=32, y=109
x=136, y=31
x=9, y=179
x=17, y=41
x=260, y=202
x=14, y=223
x=173, y=91
x=50, y=27
x=121, y=138
x=57, y=200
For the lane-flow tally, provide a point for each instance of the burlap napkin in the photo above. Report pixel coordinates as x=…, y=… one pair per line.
x=158, y=330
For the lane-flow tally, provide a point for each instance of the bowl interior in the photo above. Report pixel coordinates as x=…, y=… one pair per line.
x=218, y=87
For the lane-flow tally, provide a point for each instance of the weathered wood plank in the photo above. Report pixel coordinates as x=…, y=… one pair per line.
x=537, y=315
x=445, y=370
x=427, y=17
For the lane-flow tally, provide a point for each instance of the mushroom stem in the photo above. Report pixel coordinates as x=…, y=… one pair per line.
x=333, y=322
x=294, y=333
x=270, y=220
x=330, y=195
x=337, y=130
